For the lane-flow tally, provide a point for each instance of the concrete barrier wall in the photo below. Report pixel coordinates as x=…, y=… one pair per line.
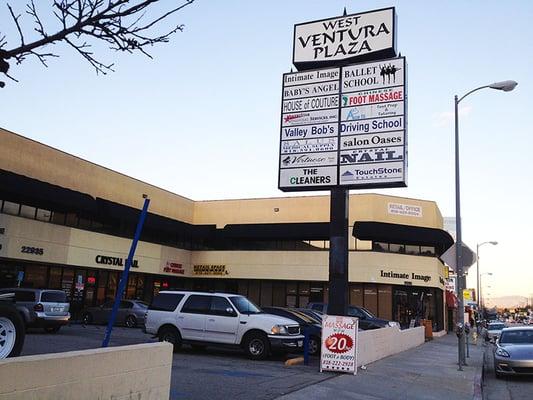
x=138, y=372
x=376, y=344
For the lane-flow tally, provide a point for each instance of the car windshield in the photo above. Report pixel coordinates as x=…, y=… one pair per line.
x=368, y=313
x=517, y=337
x=244, y=305
x=496, y=327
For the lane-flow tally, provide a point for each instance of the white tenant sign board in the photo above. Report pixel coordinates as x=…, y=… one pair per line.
x=344, y=127
x=339, y=344
x=370, y=35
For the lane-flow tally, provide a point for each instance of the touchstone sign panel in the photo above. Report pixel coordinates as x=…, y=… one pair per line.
x=365, y=174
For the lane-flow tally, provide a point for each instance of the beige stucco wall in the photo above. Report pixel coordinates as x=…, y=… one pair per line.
x=36, y=160
x=140, y=372
x=363, y=207
x=376, y=344
x=27, y=157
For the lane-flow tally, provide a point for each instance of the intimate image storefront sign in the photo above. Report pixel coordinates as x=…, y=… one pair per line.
x=344, y=126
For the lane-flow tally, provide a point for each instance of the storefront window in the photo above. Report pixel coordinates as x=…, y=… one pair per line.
x=371, y=298
x=35, y=276
x=385, y=301
x=278, y=290
x=132, y=283
x=27, y=211
x=316, y=292
x=266, y=293
x=112, y=285
x=102, y=284
x=43, y=215
x=11, y=208
x=54, y=281
x=66, y=282
x=356, y=295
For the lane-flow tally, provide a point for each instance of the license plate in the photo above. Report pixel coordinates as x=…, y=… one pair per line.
x=300, y=343
x=57, y=309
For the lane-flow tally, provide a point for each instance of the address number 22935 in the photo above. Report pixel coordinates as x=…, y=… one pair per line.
x=32, y=250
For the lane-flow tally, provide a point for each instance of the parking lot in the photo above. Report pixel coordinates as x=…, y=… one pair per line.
x=215, y=373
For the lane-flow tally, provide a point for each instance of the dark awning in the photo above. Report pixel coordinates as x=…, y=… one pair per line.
x=404, y=234
x=281, y=231
x=30, y=191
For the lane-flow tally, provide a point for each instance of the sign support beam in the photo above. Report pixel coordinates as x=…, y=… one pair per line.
x=338, y=252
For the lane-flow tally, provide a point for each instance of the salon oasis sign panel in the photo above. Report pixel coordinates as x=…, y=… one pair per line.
x=344, y=126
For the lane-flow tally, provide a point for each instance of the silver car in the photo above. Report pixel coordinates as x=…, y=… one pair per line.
x=493, y=331
x=130, y=313
x=41, y=308
x=513, y=353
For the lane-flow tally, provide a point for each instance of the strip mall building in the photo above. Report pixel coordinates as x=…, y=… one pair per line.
x=66, y=223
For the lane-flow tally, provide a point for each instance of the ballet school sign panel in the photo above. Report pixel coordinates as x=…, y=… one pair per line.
x=344, y=126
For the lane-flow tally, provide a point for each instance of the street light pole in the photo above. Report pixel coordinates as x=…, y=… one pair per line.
x=494, y=243
x=482, y=306
x=506, y=86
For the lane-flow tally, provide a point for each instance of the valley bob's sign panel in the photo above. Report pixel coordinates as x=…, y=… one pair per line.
x=344, y=126
x=364, y=36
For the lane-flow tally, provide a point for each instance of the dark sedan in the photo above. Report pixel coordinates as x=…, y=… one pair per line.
x=367, y=320
x=313, y=327
x=130, y=313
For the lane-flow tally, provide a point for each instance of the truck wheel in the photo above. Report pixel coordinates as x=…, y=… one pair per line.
x=170, y=335
x=257, y=346
x=12, y=331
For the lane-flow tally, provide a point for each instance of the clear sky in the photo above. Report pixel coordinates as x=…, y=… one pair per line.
x=202, y=118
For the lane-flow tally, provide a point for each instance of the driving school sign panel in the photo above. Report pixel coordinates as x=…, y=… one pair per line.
x=339, y=344
x=344, y=126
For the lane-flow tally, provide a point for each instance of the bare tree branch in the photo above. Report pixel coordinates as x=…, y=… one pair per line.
x=125, y=25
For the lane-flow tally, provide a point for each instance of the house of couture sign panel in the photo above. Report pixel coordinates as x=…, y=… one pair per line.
x=344, y=126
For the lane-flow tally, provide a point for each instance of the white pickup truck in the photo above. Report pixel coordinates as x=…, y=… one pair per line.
x=200, y=319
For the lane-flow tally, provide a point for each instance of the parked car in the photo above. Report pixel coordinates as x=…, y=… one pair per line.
x=201, y=319
x=41, y=308
x=493, y=331
x=12, y=330
x=317, y=315
x=513, y=353
x=306, y=322
x=130, y=313
x=367, y=320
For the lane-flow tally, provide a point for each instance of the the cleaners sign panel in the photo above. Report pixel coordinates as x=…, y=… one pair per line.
x=344, y=126
x=363, y=36
x=339, y=344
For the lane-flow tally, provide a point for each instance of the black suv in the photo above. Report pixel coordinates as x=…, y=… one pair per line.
x=367, y=320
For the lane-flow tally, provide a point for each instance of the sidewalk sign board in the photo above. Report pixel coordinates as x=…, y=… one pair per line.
x=339, y=344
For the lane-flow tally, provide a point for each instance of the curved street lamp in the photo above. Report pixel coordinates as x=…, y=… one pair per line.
x=482, y=304
x=506, y=86
x=494, y=243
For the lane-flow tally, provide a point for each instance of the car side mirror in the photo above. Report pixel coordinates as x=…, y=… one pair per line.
x=230, y=311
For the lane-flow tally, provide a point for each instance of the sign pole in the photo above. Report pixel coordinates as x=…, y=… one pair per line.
x=124, y=278
x=338, y=252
